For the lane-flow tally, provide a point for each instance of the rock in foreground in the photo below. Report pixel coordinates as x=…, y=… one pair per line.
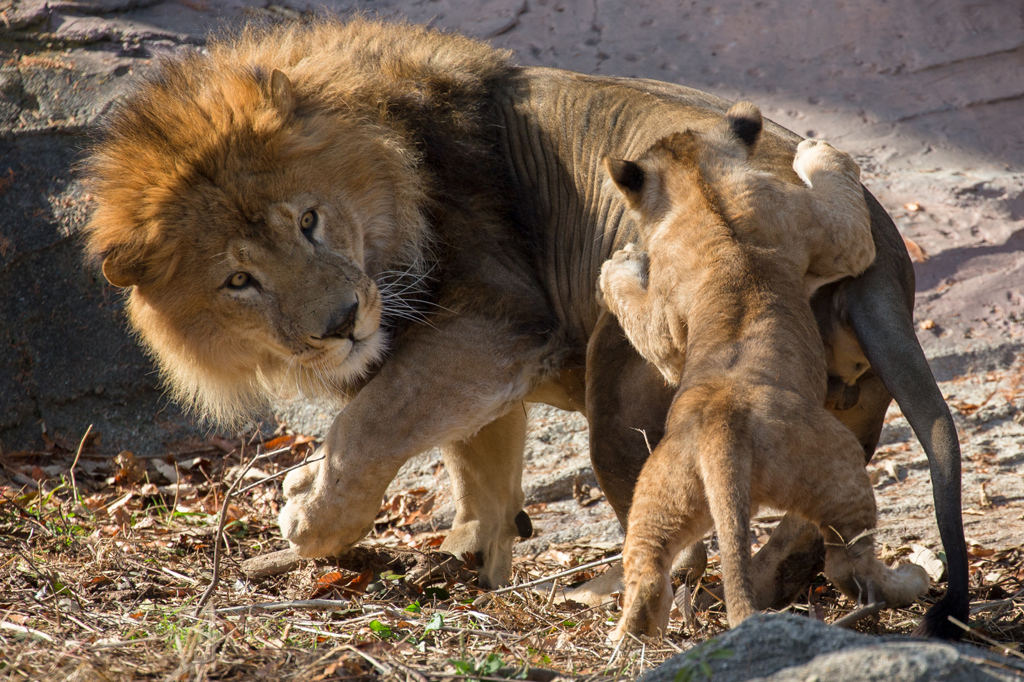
x=787, y=648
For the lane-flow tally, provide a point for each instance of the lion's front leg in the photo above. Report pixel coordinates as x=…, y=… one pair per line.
x=441, y=386
x=486, y=472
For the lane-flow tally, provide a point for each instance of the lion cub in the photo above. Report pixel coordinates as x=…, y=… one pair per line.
x=732, y=256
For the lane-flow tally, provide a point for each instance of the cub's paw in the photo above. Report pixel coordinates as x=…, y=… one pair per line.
x=617, y=633
x=878, y=583
x=814, y=157
x=627, y=267
x=631, y=253
x=910, y=582
x=320, y=517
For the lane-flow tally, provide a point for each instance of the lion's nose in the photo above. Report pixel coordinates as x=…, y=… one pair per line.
x=343, y=323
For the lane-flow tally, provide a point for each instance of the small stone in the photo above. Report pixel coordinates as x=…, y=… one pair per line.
x=67, y=604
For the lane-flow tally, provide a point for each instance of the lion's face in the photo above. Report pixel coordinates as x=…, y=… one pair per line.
x=280, y=296
x=254, y=247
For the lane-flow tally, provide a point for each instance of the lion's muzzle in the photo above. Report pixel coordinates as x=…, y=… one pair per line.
x=342, y=324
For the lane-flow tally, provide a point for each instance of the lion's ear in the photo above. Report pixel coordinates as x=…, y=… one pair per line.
x=119, y=270
x=628, y=177
x=745, y=122
x=281, y=93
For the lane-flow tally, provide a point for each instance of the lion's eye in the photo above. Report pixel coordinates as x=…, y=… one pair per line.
x=307, y=222
x=239, y=280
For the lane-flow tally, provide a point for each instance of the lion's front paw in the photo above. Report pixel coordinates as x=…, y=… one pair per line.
x=320, y=518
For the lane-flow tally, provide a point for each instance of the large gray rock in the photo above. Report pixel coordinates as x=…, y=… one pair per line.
x=788, y=648
x=66, y=359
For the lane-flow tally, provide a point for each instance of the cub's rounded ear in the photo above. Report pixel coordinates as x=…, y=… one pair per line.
x=745, y=121
x=281, y=93
x=628, y=178
x=120, y=271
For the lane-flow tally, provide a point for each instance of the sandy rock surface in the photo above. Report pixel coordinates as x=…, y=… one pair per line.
x=787, y=648
x=927, y=94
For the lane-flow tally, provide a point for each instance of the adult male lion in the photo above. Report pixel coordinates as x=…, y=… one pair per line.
x=268, y=202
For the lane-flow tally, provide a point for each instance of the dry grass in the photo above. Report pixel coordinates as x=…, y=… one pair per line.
x=101, y=571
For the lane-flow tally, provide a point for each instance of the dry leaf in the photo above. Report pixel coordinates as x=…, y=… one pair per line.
x=278, y=443
x=557, y=556
x=328, y=582
x=917, y=254
x=168, y=471
x=130, y=469
x=926, y=324
x=926, y=559
x=894, y=470
x=984, y=501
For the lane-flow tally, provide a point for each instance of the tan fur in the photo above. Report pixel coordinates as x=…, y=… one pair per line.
x=206, y=172
x=260, y=131
x=462, y=207
x=747, y=426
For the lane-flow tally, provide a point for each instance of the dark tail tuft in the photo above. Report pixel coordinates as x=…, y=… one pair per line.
x=936, y=623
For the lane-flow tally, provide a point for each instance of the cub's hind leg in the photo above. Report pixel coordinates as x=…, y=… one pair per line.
x=669, y=512
x=726, y=464
x=832, y=489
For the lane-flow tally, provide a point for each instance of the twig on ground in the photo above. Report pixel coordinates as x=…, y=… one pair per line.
x=81, y=444
x=300, y=604
x=383, y=667
x=854, y=617
x=997, y=605
x=472, y=678
x=80, y=624
x=551, y=594
x=562, y=574
x=177, y=493
x=320, y=632
x=266, y=565
x=215, y=578
x=179, y=576
x=615, y=654
x=491, y=634
x=408, y=670
x=1007, y=651
x=123, y=643
x=280, y=473
x=31, y=632
x=21, y=478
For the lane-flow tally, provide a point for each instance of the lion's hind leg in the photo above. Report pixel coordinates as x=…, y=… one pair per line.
x=669, y=512
x=832, y=489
